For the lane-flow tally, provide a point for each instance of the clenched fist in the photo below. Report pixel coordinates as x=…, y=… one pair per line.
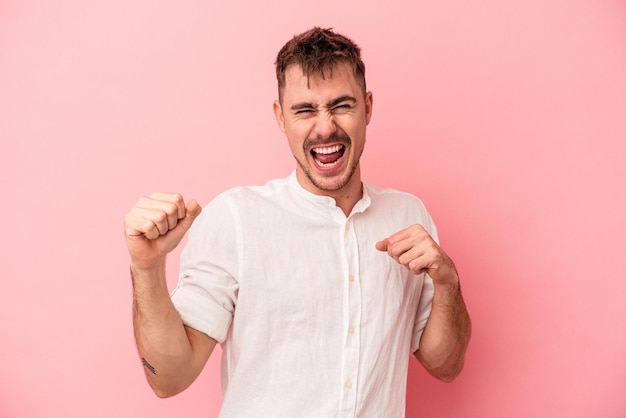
x=156, y=225
x=415, y=249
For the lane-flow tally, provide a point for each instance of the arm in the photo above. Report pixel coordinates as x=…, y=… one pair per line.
x=173, y=354
x=447, y=333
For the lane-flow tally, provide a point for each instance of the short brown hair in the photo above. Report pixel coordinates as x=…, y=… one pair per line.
x=318, y=51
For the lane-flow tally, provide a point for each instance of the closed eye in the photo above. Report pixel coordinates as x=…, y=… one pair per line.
x=342, y=107
x=341, y=104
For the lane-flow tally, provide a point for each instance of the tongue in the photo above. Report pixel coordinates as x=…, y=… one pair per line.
x=328, y=158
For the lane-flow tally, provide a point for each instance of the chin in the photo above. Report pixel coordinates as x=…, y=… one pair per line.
x=332, y=183
x=328, y=182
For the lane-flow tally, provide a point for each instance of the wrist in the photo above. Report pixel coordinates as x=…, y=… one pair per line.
x=451, y=285
x=143, y=274
x=152, y=266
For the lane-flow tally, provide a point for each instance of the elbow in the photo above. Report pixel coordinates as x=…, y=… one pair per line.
x=446, y=374
x=446, y=369
x=164, y=394
x=164, y=391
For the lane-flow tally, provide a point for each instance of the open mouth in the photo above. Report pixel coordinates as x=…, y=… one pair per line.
x=328, y=156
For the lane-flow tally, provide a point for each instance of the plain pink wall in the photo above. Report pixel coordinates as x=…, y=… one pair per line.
x=507, y=118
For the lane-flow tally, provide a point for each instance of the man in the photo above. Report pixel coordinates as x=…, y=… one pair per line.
x=318, y=286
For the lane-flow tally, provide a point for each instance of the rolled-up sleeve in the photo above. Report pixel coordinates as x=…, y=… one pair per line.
x=206, y=294
x=426, y=297
x=423, y=312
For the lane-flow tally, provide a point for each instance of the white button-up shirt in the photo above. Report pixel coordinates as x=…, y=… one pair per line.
x=313, y=320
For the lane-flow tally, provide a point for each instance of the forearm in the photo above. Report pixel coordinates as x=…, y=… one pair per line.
x=447, y=334
x=162, y=340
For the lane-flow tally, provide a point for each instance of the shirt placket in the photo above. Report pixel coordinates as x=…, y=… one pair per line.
x=352, y=321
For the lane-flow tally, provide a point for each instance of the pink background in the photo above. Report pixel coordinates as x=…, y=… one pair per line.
x=507, y=117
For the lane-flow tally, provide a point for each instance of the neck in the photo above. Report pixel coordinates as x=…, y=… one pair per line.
x=345, y=197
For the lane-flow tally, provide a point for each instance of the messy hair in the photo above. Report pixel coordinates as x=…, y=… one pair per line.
x=317, y=52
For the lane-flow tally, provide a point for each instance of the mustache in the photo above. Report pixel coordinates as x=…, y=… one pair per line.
x=337, y=137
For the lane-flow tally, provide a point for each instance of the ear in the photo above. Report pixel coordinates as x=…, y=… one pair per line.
x=280, y=117
x=369, y=102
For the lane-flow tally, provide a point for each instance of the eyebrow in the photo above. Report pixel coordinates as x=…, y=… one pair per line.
x=331, y=104
x=340, y=99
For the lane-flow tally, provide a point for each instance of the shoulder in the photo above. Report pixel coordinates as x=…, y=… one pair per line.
x=244, y=200
x=271, y=188
x=250, y=192
x=404, y=207
x=383, y=195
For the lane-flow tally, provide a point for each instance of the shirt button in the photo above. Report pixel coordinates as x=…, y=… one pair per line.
x=351, y=330
x=348, y=385
x=351, y=278
x=347, y=227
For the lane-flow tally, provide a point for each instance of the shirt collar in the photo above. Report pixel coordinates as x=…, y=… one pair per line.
x=328, y=201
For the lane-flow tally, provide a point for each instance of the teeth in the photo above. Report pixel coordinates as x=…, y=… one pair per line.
x=327, y=150
x=326, y=164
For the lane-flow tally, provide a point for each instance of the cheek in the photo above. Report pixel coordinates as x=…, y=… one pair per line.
x=355, y=130
x=295, y=138
x=298, y=131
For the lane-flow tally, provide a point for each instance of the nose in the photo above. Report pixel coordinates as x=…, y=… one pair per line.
x=325, y=125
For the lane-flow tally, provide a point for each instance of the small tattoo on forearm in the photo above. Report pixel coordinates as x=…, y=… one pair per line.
x=148, y=365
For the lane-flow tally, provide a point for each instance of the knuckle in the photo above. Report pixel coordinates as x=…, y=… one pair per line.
x=172, y=208
x=141, y=202
x=146, y=226
x=160, y=217
x=177, y=198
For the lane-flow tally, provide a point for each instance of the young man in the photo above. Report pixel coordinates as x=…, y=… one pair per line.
x=319, y=286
